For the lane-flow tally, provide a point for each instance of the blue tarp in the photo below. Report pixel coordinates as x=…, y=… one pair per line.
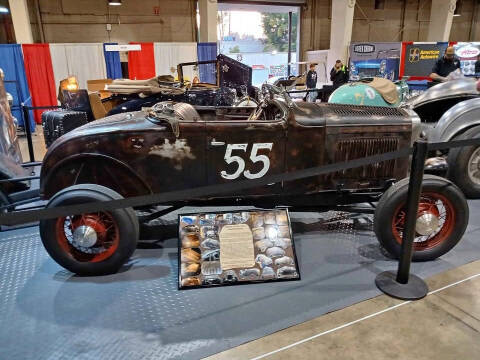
x=112, y=60
x=11, y=62
x=205, y=52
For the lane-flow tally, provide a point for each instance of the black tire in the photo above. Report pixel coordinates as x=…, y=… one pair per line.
x=120, y=229
x=459, y=162
x=436, y=192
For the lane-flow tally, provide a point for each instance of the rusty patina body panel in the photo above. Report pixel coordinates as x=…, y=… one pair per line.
x=135, y=154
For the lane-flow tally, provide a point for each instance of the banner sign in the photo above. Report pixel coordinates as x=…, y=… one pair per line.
x=375, y=59
x=468, y=54
x=421, y=57
x=126, y=47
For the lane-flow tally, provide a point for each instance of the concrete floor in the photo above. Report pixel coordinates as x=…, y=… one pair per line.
x=444, y=325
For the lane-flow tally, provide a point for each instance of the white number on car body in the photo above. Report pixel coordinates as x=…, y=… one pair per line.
x=254, y=157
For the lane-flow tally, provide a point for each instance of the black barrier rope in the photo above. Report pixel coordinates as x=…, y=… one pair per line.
x=21, y=217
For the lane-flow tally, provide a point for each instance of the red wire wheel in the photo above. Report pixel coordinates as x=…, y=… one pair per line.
x=436, y=205
x=104, y=228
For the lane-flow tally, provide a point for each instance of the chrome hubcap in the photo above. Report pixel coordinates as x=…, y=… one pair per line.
x=474, y=166
x=427, y=224
x=84, y=236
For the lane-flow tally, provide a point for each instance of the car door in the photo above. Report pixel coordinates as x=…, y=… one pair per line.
x=242, y=149
x=170, y=161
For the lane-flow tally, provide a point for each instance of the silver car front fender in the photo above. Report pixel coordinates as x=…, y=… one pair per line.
x=456, y=120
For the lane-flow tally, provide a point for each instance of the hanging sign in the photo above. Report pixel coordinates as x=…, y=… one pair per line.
x=126, y=47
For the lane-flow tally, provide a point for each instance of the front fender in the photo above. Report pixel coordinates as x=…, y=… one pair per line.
x=456, y=120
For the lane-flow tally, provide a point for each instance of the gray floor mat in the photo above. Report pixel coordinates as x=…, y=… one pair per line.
x=47, y=313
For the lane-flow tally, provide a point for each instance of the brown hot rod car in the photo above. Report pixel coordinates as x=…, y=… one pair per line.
x=177, y=146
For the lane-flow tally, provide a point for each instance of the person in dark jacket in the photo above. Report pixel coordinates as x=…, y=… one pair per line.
x=444, y=66
x=312, y=83
x=339, y=74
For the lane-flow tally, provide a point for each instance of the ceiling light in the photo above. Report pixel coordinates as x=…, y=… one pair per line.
x=457, y=15
x=114, y=2
x=4, y=10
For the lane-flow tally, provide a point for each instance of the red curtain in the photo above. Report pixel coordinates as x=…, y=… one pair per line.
x=39, y=71
x=141, y=64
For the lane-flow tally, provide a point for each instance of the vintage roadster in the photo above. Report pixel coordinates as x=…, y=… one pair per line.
x=178, y=146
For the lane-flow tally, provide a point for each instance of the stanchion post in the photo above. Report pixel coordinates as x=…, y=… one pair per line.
x=402, y=284
x=414, y=190
x=26, y=124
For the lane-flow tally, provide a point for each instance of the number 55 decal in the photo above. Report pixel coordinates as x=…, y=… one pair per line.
x=241, y=163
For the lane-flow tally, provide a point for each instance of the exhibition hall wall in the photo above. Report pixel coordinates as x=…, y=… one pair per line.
x=66, y=21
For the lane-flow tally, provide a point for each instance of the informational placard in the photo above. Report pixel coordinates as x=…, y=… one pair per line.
x=236, y=247
x=380, y=59
x=468, y=53
x=419, y=58
x=232, y=248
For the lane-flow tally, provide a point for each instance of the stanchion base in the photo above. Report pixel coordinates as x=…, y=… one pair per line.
x=415, y=289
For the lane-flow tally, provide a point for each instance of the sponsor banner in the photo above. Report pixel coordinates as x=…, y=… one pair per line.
x=370, y=51
x=419, y=58
x=375, y=60
x=468, y=54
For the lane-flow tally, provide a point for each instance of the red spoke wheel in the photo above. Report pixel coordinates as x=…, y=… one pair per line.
x=94, y=243
x=442, y=218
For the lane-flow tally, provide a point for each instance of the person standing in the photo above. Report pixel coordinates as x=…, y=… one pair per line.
x=444, y=66
x=339, y=74
x=312, y=83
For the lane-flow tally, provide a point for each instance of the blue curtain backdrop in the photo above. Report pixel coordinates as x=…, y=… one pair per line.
x=112, y=60
x=11, y=62
x=207, y=51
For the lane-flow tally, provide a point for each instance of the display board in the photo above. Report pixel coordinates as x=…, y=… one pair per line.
x=419, y=58
x=375, y=59
x=468, y=54
x=231, y=248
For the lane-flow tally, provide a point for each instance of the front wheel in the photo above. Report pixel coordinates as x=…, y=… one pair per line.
x=441, y=219
x=96, y=243
x=464, y=165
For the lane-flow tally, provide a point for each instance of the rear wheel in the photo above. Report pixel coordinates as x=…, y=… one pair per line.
x=464, y=165
x=442, y=218
x=95, y=243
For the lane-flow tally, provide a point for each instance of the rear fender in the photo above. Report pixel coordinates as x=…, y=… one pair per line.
x=92, y=169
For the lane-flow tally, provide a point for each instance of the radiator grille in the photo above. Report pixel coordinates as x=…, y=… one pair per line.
x=359, y=148
x=355, y=110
